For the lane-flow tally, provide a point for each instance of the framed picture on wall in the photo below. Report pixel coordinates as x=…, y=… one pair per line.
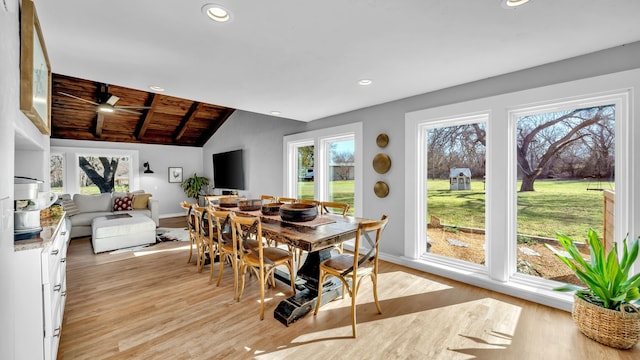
x=175, y=174
x=35, y=71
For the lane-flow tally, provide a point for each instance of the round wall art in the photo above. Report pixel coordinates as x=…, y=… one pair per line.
x=382, y=140
x=381, y=163
x=381, y=189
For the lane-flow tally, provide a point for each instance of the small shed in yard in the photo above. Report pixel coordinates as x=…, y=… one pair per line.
x=460, y=179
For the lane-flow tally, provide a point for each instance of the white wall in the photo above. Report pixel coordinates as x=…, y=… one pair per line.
x=160, y=158
x=9, y=111
x=260, y=137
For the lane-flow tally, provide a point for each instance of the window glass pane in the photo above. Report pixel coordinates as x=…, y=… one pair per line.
x=56, y=166
x=341, y=172
x=565, y=163
x=101, y=174
x=456, y=192
x=306, y=176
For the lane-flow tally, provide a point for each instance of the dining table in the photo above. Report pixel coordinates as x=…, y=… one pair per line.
x=318, y=238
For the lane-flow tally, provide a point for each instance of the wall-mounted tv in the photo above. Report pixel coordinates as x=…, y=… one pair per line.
x=228, y=170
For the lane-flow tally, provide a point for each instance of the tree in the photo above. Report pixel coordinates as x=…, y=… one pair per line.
x=342, y=163
x=104, y=182
x=542, y=136
x=305, y=157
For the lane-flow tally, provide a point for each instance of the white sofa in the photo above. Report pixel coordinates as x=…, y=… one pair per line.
x=91, y=206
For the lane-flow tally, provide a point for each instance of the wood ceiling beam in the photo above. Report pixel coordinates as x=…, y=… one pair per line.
x=190, y=115
x=99, y=124
x=145, y=120
x=215, y=125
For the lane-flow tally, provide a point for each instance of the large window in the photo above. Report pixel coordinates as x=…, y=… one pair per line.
x=92, y=171
x=547, y=166
x=325, y=165
x=455, y=164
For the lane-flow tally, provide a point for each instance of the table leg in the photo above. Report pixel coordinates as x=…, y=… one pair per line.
x=304, y=301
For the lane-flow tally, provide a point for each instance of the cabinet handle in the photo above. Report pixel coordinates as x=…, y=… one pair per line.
x=55, y=252
x=57, y=287
x=63, y=260
x=64, y=293
x=64, y=233
x=56, y=332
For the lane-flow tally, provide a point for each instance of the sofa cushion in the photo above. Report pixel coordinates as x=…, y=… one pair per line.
x=70, y=207
x=91, y=203
x=85, y=219
x=141, y=201
x=122, y=203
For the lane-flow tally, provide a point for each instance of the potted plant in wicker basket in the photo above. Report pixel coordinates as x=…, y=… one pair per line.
x=607, y=309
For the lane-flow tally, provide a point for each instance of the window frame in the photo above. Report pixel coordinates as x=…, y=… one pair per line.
x=72, y=165
x=501, y=274
x=321, y=140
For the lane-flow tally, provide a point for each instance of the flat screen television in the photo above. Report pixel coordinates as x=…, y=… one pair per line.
x=228, y=170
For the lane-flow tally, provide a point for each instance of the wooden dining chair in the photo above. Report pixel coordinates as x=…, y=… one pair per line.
x=191, y=226
x=333, y=207
x=204, y=236
x=287, y=200
x=257, y=257
x=350, y=269
x=227, y=249
x=268, y=198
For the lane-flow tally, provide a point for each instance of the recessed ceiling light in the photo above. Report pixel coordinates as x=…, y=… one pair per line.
x=216, y=12
x=275, y=112
x=156, y=88
x=365, y=82
x=513, y=3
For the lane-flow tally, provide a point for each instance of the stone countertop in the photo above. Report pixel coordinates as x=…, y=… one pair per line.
x=50, y=227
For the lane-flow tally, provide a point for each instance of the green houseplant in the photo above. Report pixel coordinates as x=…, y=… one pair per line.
x=194, y=185
x=604, y=310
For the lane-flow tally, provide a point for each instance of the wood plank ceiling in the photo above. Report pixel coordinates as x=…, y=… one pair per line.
x=146, y=118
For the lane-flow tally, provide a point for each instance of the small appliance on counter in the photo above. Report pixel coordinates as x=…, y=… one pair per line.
x=28, y=203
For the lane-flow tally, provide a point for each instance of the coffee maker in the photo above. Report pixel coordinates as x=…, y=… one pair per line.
x=28, y=202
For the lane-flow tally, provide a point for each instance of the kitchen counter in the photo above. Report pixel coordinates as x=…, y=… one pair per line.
x=50, y=227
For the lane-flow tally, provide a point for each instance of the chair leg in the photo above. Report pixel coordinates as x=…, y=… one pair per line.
x=319, y=300
x=243, y=270
x=262, y=281
x=353, y=312
x=374, y=279
x=190, y=249
x=220, y=272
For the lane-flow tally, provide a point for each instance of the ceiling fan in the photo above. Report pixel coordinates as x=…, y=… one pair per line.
x=107, y=102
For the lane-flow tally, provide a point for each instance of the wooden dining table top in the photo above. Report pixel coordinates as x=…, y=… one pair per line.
x=308, y=236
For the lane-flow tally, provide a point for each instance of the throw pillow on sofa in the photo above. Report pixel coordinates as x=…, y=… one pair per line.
x=141, y=201
x=122, y=203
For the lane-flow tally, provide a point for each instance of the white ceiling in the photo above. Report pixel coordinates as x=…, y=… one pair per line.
x=304, y=58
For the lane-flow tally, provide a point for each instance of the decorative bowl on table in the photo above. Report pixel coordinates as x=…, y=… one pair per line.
x=271, y=208
x=249, y=204
x=229, y=202
x=298, y=212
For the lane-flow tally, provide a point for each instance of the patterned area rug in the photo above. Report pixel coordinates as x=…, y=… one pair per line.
x=162, y=235
x=171, y=234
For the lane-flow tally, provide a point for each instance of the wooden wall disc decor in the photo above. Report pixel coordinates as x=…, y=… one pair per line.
x=382, y=140
x=381, y=163
x=381, y=189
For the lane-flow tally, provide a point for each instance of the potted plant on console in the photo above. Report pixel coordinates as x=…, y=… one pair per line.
x=604, y=311
x=194, y=185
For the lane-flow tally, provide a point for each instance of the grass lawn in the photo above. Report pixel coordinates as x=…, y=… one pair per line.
x=556, y=205
x=342, y=192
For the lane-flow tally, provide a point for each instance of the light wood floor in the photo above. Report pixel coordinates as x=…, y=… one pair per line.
x=151, y=304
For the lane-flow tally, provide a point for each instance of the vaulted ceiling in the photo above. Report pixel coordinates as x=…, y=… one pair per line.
x=138, y=116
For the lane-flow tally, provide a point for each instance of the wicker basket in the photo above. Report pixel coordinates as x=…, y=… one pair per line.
x=618, y=329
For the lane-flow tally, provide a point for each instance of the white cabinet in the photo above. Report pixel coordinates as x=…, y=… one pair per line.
x=40, y=290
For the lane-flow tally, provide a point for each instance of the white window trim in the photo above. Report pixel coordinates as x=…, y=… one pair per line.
x=500, y=189
x=72, y=167
x=321, y=140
